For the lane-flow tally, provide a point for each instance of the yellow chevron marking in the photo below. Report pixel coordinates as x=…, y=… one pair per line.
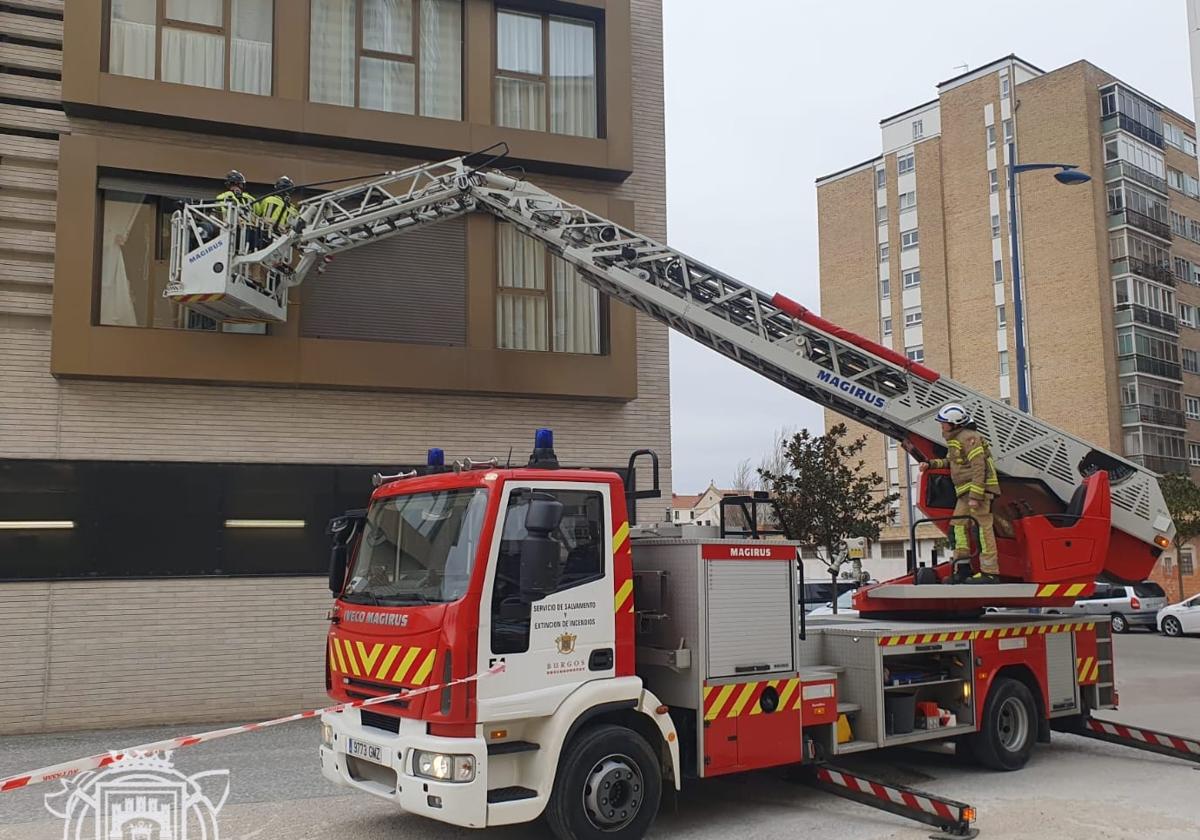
x=1074, y=589
x=742, y=700
x=927, y=638
x=1003, y=632
x=960, y=635
x=1095, y=675
x=385, y=666
x=1091, y=625
x=707, y=691
x=1042, y=630
x=405, y=663
x=426, y=666
x=620, y=536
x=714, y=711
x=987, y=634
x=623, y=595
x=350, y=657
x=335, y=661
x=911, y=640
x=368, y=659
x=786, y=694
x=1047, y=590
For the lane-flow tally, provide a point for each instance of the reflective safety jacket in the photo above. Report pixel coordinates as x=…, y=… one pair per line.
x=277, y=210
x=244, y=198
x=971, y=466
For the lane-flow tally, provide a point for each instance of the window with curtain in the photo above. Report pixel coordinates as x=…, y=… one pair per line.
x=402, y=56
x=546, y=75
x=221, y=44
x=541, y=304
x=135, y=249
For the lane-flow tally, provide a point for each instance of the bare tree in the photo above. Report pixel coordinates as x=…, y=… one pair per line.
x=745, y=477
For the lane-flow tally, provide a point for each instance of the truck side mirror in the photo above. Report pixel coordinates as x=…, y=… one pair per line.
x=539, y=553
x=342, y=529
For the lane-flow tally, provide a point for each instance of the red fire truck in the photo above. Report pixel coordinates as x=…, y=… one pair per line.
x=612, y=659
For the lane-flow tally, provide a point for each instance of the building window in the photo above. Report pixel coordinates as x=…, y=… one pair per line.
x=912, y=278
x=1001, y=317
x=556, y=92
x=993, y=181
x=905, y=163
x=887, y=327
x=915, y=354
x=908, y=239
x=1193, y=230
x=1187, y=315
x=995, y=226
x=1004, y=363
x=908, y=200
x=881, y=214
x=1005, y=87
x=880, y=178
x=1192, y=406
x=136, y=240
x=912, y=317
x=998, y=271
x=1191, y=361
x=564, y=315
x=191, y=42
x=1194, y=454
x=991, y=136
x=1178, y=224
x=1008, y=130
x=884, y=250
x=885, y=288
x=918, y=129
x=401, y=56
x=1183, y=269
x=1187, y=564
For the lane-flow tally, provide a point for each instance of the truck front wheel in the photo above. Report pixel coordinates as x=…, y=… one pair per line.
x=1009, y=728
x=608, y=786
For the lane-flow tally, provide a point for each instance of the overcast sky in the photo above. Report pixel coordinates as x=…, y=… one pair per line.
x=762, y=102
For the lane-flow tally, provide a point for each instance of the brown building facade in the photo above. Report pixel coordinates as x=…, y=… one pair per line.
x=1109, y=267
x=165, y=480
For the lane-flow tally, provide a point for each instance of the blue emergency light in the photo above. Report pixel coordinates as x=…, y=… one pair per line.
x=543, y=439
x=435, y=458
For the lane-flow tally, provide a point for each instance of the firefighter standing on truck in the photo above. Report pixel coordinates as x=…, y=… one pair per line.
x=975, y=486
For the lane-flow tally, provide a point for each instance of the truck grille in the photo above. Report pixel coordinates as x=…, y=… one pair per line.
x=378, y=721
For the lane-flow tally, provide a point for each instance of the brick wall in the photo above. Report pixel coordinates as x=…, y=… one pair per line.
x=118, y=653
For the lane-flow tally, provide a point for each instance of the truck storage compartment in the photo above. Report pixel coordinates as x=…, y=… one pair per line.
x=751, y=608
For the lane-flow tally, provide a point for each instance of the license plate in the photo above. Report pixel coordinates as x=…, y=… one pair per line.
x=371, y=752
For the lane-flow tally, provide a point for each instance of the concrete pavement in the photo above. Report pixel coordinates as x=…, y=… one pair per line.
x=1075, y=788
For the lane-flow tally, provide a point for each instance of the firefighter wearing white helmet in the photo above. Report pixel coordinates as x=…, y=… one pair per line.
x=975, y=484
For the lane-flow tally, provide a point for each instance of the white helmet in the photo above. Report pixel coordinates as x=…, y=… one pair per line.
x=954, y=414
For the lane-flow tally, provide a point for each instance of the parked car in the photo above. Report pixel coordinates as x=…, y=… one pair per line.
x=1128, y=606
x=816, y=594
x=845, y=605
x=1180, y=619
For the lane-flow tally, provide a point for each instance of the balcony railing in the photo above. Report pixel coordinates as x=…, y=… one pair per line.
x=1125, y=169
x=1137, y=129
x=1147, y=364
x=1173, y=417
x=1159, y=272
x=1160, y=463
x=1140, y=221
x=1129, y=313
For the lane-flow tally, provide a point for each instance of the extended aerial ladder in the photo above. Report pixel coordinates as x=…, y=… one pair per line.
x=1080, y=512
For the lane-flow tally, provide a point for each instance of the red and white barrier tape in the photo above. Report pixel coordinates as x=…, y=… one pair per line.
x=95, y=762
x=886, y=793
x=1144, y=736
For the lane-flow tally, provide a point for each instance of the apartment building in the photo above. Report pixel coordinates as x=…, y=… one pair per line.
x=915, y=253
x=164, y=480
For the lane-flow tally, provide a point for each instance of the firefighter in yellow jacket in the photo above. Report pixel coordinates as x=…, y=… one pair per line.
x=975, y=484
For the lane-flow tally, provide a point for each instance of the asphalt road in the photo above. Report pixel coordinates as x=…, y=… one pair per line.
x=1071, y=790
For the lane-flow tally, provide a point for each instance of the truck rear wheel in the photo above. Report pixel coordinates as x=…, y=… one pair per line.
x=1009, y=729
x=608, y=786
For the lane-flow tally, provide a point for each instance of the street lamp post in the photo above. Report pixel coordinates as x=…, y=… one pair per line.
x=1068, y=174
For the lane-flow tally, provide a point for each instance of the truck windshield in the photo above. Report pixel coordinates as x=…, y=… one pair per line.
x=418, y=549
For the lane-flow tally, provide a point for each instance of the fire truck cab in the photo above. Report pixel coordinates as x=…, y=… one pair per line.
x=611, y=662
